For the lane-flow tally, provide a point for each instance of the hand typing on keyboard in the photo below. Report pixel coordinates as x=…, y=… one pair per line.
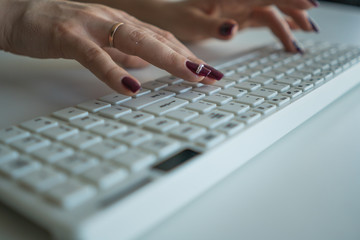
x=98, y=37
x=193, y=20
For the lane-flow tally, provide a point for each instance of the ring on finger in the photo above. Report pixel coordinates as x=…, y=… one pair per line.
x=112, y=32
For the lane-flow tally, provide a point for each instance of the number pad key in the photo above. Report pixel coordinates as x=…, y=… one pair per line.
x=210, y=139
x=77, y=163
x=105, y=175
x=213, y=119
x=30, y=144
x=249, y=117
x=135, y=160
x=53, y=152
x=43, y=179
x=39, y=124
x=292, y=93
x=109, y=129
x=10, y=134
x=82, y=140
x=187, y=131
x=106, y=149
x=133, y=136
x=19, y=167
x=231, y=127
x=161, y=146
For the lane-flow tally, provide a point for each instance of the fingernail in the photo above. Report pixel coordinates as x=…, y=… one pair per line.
x=215, y=74
x=298, y=48
x=198, y=69
x=313, y=25
x=315, y=3
x=131, y=84
x=226, y=29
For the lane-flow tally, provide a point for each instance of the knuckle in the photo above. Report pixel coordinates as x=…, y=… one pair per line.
x=168, y=35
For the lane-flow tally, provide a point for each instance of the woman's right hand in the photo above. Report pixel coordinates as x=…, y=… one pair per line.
x=63, y=29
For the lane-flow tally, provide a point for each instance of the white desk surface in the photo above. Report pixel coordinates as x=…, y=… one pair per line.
x=305, y=186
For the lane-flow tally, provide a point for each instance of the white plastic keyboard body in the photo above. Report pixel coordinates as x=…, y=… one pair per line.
x=114, y=167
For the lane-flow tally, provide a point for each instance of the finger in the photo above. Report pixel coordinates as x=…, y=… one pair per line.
x=278, y=25
x=301, y=18
x=292, y=24
x=135, y=41
x=126, y=60
x=94, y=58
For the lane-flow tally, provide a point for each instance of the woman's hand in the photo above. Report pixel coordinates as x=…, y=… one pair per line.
x=193, y=20
x=63, y=29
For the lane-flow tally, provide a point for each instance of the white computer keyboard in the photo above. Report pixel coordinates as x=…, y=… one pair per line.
x=68, y=171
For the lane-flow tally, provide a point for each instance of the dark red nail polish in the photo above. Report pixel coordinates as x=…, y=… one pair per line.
x=313, y=25
x=131, y=84
x=298, y=49
x=226, y=29
x=315, y=3
x=198, y=69
x=215, y=74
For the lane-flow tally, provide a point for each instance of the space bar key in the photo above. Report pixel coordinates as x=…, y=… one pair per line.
x=147, y=99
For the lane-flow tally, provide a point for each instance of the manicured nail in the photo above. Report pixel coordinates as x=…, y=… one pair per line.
x=313, y=25
x=315, y=3
x=198, y=69
x=215, y=74
x=298, y=48
x=131, y=84
x=226, y=29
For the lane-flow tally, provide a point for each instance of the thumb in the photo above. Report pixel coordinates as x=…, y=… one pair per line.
x=207, y=26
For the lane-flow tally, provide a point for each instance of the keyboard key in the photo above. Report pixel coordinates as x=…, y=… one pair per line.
x=109, y=129
x=133, y=136
x=300, y=75
x=238, y=77
x=42, y=179
x=115, y=98
x=274, y=75
x=289, y=80
x=87, y=122
x=60, y=132
x=10, y=134
x=135, y=160
x=212, y=119
x=115, y=112
x=53, y=152
x=142, y=92
x=147, y=99
x=70, y=194
x=233, y=92
x=265, y=108
x=178, y=88
x=279, y=87
x=94, y=105
x=70, y=113
x=39, y=124
x=182, y=114
x=170, y=80
x=279, y=100
x=19, y=167
x=263, y=80
x=249, y=117
x=106, y=149
x=161, y=146
x=154, y=85
x=292, y=93
x=7, y=154
x=231, y=127
x=265, y=93
x=161, y=124
x=105, y=175
x=82, y=140
x=137, y=118
x=210, y=139
x=187, y=131
x=207, y=89
x=30, y=144
x=165, y=106
x=249, y=86
x=201, y=106
x=250, y=100
x=218, y=99
x=191, y=96
x=235, y=107
x=77, y=163
x=316, y=80
x=224, y=83
x=306, y=86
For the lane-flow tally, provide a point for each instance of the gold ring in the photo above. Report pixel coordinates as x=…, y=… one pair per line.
x=112, y=33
